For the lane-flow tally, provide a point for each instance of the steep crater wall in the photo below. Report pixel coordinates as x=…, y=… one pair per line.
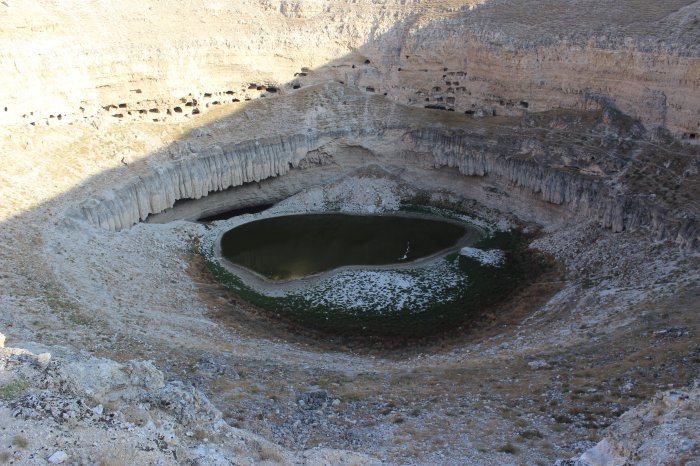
x=538, y=175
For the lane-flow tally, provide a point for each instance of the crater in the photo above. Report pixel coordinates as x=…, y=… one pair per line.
x=563, y=164
x=387, y=277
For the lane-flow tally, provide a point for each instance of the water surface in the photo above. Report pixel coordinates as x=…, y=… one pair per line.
x=295, y=246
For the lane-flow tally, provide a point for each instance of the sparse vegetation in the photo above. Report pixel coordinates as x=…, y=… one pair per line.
x=508, y=448
x=20, y=441
x=14, y=388
x=266, y=452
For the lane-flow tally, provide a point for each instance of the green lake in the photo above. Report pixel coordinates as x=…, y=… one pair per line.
x=294, y=246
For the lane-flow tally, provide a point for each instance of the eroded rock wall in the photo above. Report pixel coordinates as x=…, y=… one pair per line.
x=514, y=159
x=149, y=61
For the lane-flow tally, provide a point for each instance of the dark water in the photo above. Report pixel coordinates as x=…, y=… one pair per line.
x=294, y=246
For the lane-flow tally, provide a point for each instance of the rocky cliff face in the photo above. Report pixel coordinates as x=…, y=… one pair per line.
x=588, y=196
x=480, y=56
x=553, y=158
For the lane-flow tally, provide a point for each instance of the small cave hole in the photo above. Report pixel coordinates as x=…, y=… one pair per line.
x=154, y=110
x=444, y=69
x=385, y=93
x=122, y=105
x=118, y=115
x=5, y=108
x=272, y=89
x=524, y=104
x=469, y=112
x=367, y=62
x=195, y=111
x=235, y=100
x=216, y=102
x=253, y=86
x=399, y=69
x=207, y=94
x=230, y=92
x=436, y=107
x=260, y=88
x=178, y=109
x=447, y=83
x=189, y=104
x=142, y=111
x=353, y=66
x=296, y=86
x=369, y=89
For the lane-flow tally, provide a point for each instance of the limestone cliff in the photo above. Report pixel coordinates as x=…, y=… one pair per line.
x=552, y=166
x=478, y=56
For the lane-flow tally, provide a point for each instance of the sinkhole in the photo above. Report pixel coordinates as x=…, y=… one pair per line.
x=394, y=274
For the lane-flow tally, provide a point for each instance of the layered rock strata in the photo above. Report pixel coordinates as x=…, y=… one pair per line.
x=477, y=57
x=558, y=170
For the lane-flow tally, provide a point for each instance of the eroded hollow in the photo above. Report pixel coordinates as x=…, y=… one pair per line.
x=388, y=277
x=295, y=246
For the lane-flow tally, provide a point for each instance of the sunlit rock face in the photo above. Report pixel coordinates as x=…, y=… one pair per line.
x=476, y=56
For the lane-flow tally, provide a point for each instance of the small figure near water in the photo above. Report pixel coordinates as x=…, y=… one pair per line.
x=405, y=254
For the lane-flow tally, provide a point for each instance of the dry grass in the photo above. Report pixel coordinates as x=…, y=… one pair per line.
x=266, y=452
x=20, y=441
